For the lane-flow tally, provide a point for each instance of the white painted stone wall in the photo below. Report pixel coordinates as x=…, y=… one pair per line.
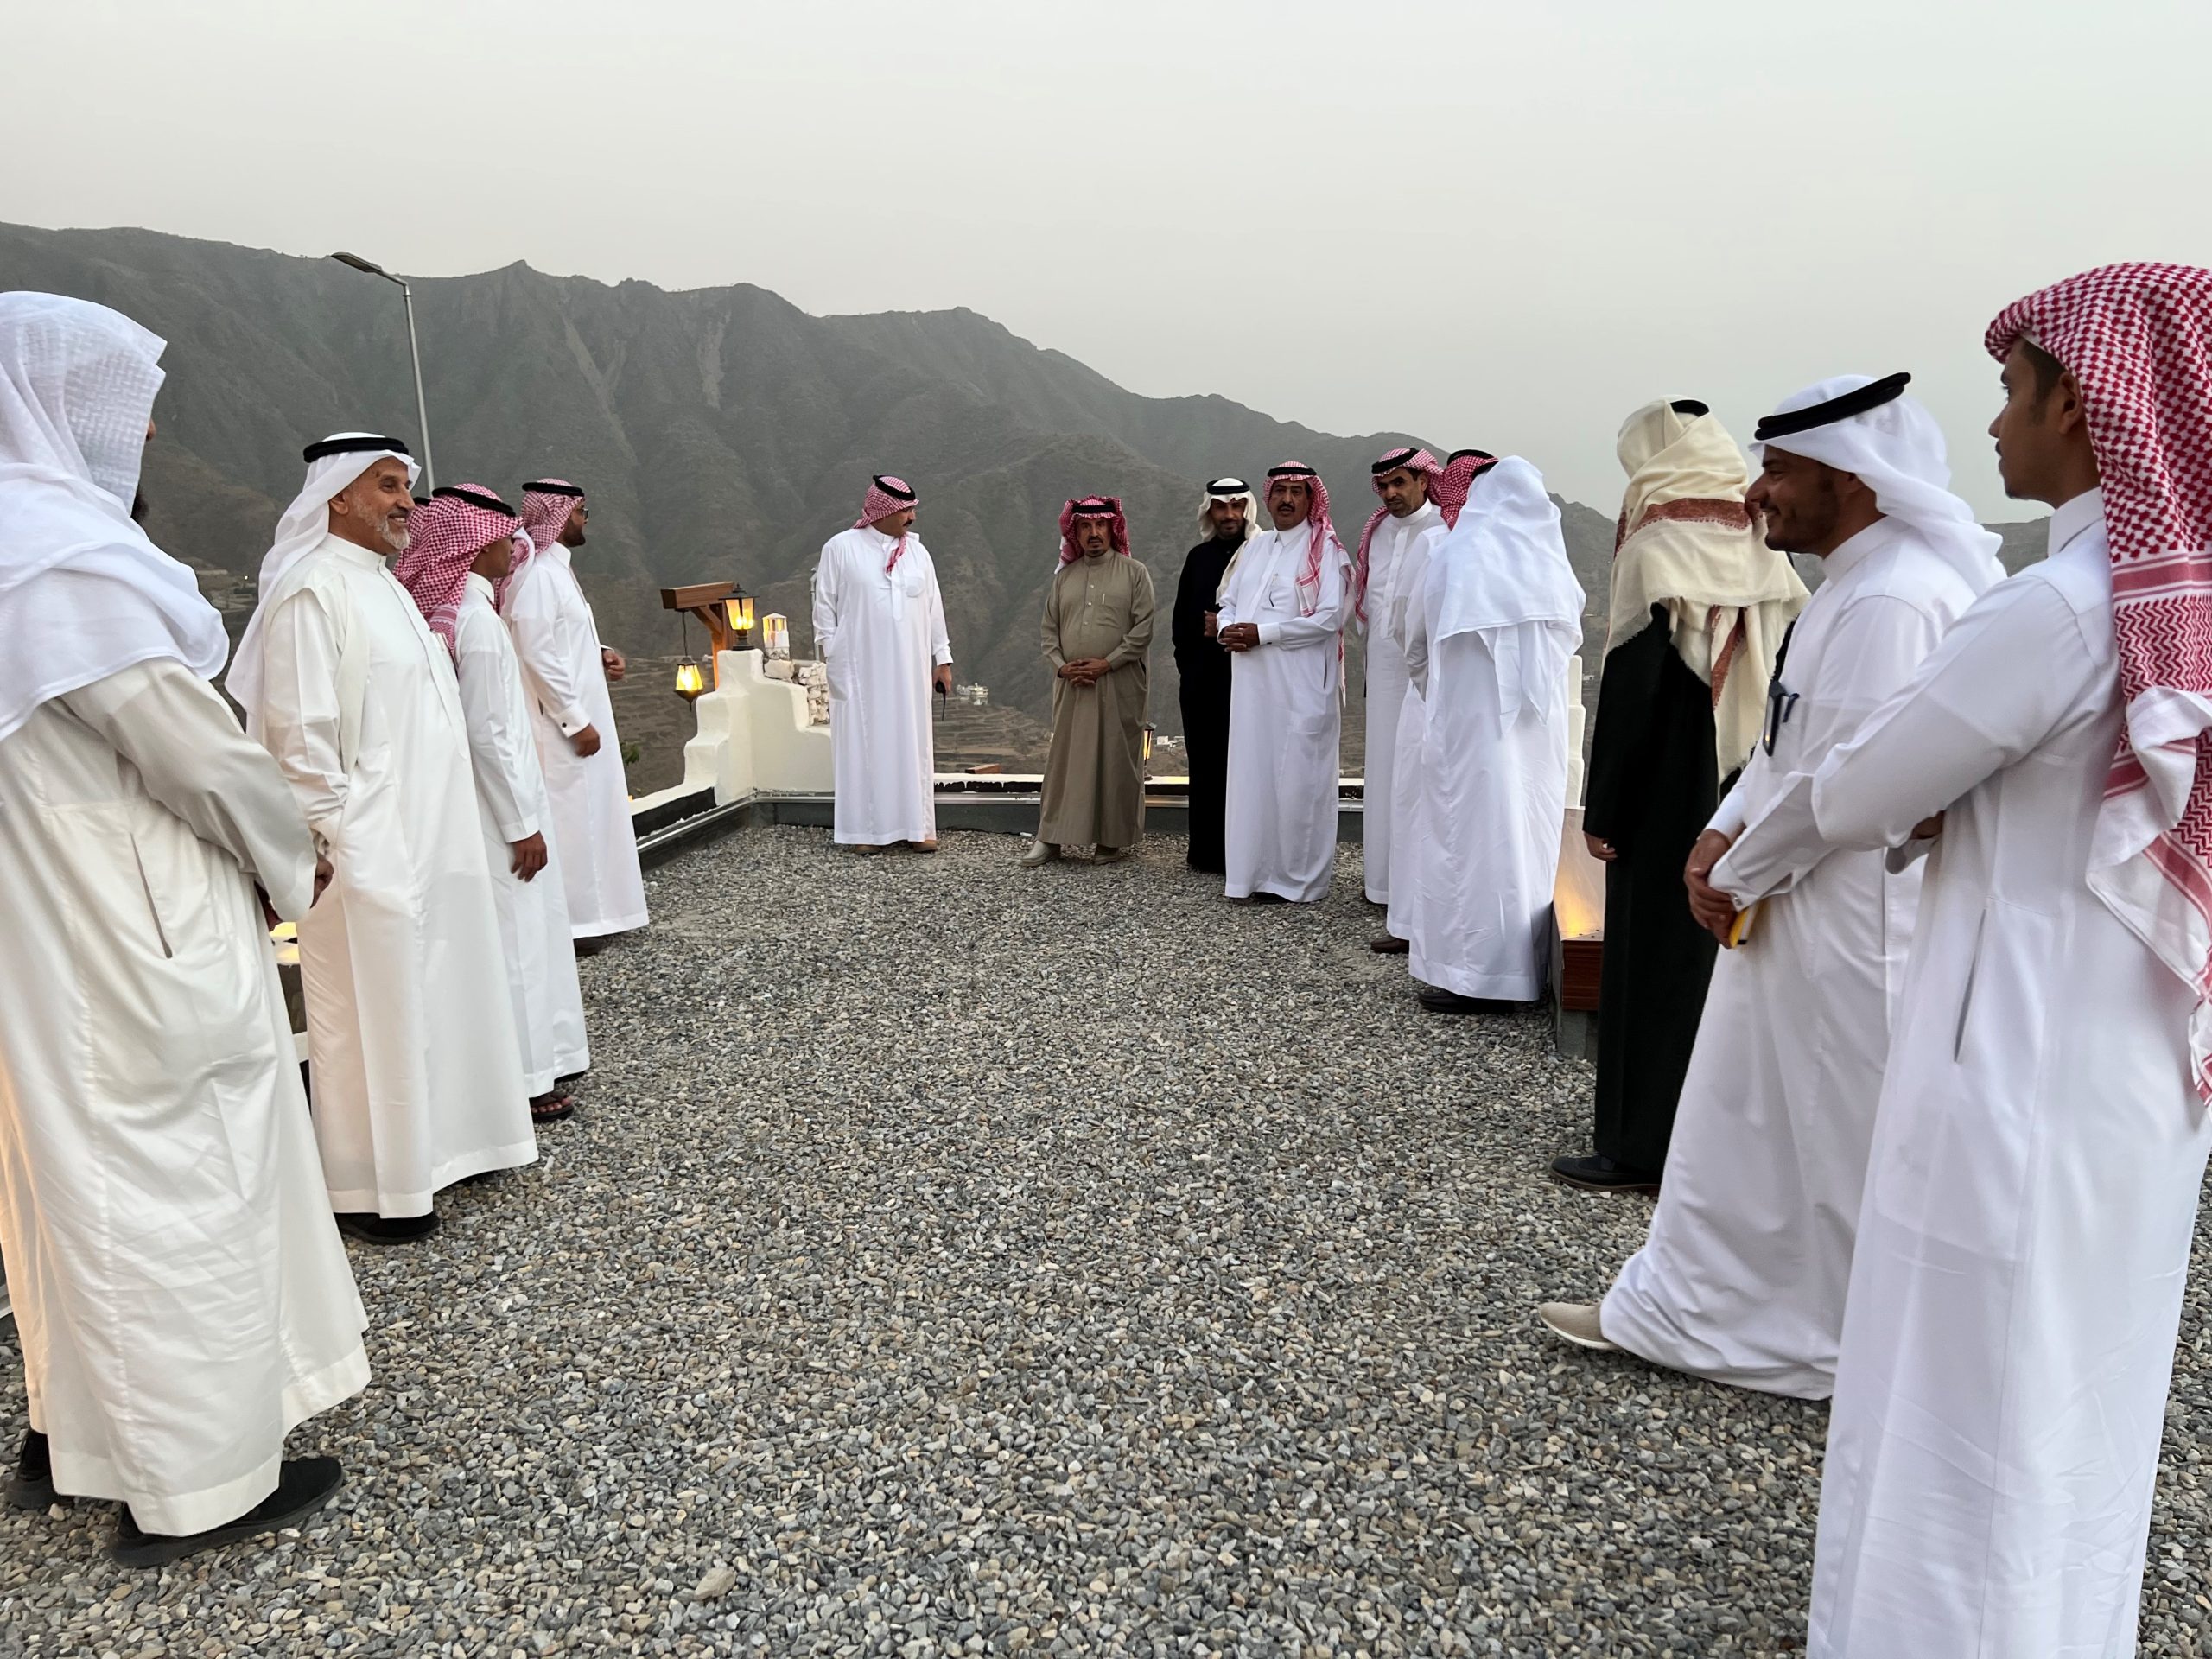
x=764, y=728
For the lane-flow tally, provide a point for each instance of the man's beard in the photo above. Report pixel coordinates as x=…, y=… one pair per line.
x=138, y=506
x=394, y=536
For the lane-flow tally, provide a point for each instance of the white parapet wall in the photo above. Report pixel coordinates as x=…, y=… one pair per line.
x=755, y=736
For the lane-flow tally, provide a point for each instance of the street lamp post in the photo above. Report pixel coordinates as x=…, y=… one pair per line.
x=414, y=353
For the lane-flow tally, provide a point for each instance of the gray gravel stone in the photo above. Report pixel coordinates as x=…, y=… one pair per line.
x=951, y=1258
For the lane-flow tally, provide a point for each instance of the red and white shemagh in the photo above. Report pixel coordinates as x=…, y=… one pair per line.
x=1108, y=507
x=544, y=516
x=1413, y=460
x=2138, y=339
x=445, y=534
x=1450, y=488
x=1317, y=519
x=882, y=503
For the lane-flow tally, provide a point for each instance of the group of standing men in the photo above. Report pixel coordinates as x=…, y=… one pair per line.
x=1932, y=1128
x=428, y=786
x=1931, y=1132
x=1473, y=617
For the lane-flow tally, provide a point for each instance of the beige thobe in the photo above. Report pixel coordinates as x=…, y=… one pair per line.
x=1094, y=782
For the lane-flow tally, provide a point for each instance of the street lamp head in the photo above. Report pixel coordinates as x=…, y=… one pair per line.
x=369, y=266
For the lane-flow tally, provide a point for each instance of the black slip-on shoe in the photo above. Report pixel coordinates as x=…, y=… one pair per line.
x=1598, y=1174
x=303, y=1485
x=373, y=1228
x=1389, y=944
x=1437, y=1000
x=31, y=1487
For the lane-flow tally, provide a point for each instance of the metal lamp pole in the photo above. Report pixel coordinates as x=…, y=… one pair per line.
x=414, y=353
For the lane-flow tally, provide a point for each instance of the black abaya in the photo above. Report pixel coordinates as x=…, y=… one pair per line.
x=1202, y=667
x=1653, y=787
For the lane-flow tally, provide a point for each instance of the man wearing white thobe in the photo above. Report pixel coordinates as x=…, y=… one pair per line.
x=181, y=1297
x=1503, y=618
x=1742, y=1278
x=1408, y=625
x=415, y=1074
x=2039, y=1152
x=1394, y=545
x=460, y=542
x=878, y=620
x=567, y=669
x=1282, y=613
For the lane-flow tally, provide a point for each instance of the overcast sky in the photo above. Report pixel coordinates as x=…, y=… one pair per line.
x=1502, y=226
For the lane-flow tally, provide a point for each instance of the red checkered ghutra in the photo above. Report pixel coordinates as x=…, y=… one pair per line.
x=444, y=536
x=2138, y=338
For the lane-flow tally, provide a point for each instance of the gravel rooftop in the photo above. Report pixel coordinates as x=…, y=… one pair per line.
x=953, y=1258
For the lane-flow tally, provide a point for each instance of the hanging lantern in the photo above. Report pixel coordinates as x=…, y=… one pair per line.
x=1148, y=734
x=738, y=607
x=690, y=683
x=776, y=634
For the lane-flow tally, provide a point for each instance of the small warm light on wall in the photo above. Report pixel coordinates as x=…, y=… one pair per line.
x=688, y=683
x=776, y=634
x=1148, y=740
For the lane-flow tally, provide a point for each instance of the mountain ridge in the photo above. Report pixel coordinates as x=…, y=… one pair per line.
x=721, y=431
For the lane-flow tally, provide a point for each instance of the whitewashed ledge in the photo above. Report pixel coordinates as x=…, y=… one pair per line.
x=755, y=736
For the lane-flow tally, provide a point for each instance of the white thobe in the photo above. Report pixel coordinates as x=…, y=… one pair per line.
x=1408, y=826
x=557, y=641
x=1494, y=776
x=2032, y=1189
x=511, y=805
x=412, y=1058
x=1286, y=709
x=1390, y=558
x=1742, y=1277
x=182, y=1296
x=881, y=632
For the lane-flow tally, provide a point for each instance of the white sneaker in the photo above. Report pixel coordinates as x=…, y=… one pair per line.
x=1577, y=1323
x=1043, y=852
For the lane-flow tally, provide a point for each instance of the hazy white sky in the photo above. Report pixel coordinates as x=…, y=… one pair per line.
x=1495, y=225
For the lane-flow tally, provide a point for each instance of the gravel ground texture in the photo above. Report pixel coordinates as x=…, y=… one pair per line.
x=952, y=1258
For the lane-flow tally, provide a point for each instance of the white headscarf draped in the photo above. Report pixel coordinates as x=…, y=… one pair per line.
x=83, y=593
x=1687, y=543
x=299, y=532
x=1219, y=490
x=1896, y=450
x=1504, y=565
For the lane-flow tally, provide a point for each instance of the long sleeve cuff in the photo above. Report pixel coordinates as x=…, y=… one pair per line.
x=1729, y=819
x=572, y=720
x=290, y=891
x=1270, y=633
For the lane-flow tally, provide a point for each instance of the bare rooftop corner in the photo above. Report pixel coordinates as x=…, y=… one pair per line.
x=953, y=1258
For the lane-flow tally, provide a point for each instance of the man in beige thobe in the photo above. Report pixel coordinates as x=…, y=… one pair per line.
x=1097, y=630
